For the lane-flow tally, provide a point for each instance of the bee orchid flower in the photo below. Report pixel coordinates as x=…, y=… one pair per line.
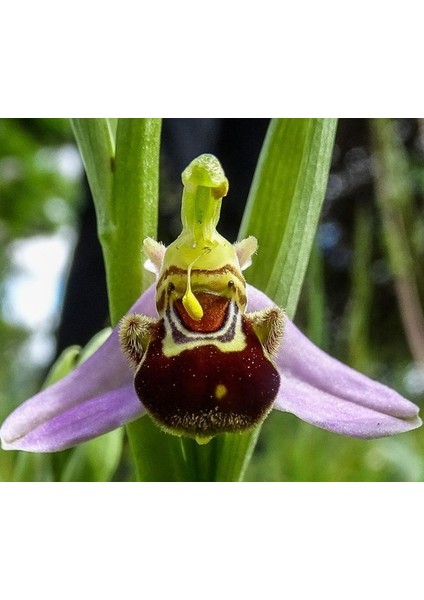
x=190, y=355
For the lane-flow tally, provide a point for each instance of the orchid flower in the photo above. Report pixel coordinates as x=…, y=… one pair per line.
x=203, y=365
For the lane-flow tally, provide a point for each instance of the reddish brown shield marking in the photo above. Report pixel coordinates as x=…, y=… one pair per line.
x=204, y=391
x=214, y=313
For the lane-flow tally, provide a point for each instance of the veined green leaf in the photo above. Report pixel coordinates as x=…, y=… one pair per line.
x=158, y=456
x=285, y=202
x=95, y=140
x=33, y=467
x=96, y=460
x=94, y=344
x=65, y=363
x=113, y=125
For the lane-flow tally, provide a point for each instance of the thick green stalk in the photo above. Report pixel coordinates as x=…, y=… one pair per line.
x=134, y=211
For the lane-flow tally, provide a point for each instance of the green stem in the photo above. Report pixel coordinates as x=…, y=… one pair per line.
x=134, y=211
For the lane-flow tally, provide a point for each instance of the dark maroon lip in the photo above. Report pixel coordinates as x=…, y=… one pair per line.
x=204, y=391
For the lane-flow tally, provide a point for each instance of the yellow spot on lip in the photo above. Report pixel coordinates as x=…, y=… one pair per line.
x=220, y=391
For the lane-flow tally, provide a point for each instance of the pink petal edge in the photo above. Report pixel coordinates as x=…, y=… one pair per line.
x=104, y=381
x=322, y=391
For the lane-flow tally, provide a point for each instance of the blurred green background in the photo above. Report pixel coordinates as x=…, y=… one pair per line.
x=362, y=300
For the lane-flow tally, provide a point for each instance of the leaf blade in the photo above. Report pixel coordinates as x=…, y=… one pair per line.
x=292, y=171
x=95, y=141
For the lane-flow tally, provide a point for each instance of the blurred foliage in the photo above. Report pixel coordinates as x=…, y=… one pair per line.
x=39, y=195
x=349, y=304
x=33, y=177
x=290, y=450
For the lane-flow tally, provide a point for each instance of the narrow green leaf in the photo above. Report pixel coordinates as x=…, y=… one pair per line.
x=95, y=141
x=33, y=467
x=96, y=460
x=41, y=467
x=158, y=456
x=7, y=466
x=285, y=202
x=113, y=125
x=65, y=363
x=234, y=454
x=94, y=344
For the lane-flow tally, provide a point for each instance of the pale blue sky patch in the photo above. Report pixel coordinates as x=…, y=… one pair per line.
x=34, y=291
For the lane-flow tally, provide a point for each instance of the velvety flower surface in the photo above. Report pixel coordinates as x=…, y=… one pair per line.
x=99, y=396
